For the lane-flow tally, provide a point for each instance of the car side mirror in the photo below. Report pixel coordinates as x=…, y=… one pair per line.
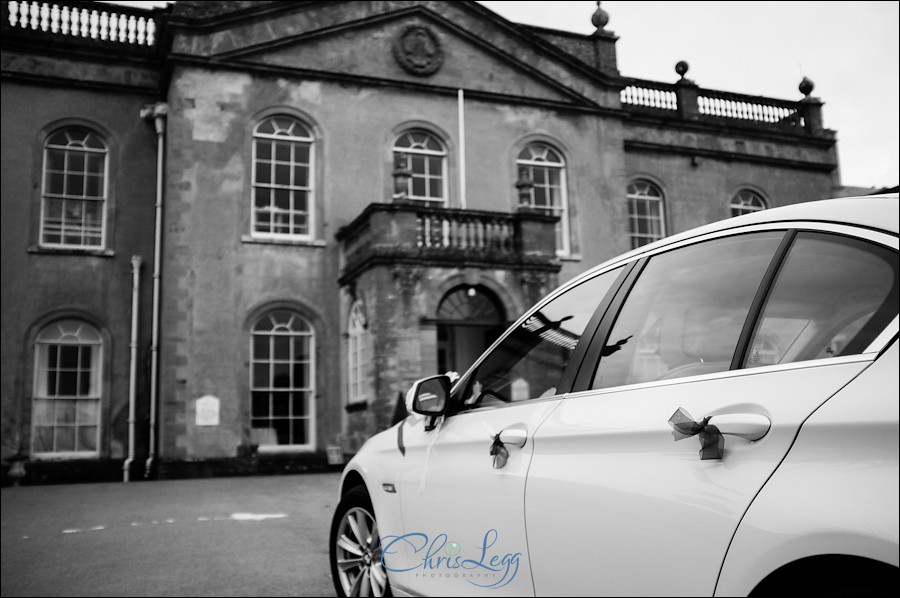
x=430, y=397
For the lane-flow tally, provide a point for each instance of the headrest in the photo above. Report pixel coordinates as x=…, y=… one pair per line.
x=699, y=333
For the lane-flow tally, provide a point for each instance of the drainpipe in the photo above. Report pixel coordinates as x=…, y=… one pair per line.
x=157, y=112
x=461, y=118
x=132, y=380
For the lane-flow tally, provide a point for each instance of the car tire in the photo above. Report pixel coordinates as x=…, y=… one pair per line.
x=355, y=548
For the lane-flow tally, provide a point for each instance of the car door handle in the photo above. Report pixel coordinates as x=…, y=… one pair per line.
x=515, y=435
x=750, y=426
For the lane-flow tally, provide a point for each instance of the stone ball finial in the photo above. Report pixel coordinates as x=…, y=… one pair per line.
x=806, y=86
x=681, y=67
x=600, y=17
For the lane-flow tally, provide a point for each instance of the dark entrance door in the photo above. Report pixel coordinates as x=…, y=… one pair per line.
x=470, y=318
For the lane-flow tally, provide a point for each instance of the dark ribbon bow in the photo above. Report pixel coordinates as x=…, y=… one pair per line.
x=499, y=452
x=712, y=443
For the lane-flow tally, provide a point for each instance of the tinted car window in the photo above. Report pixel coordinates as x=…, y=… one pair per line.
x=686, y=311
x=530, y=361
x=832, y=297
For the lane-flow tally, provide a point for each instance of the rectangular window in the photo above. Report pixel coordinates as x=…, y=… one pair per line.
x=66, y=402
x=282, y=385
x=282, y=180
x=73, y=198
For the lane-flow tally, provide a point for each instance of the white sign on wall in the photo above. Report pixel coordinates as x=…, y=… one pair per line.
x=207, y=411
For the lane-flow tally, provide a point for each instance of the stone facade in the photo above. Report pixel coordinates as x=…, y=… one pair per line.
x=356, y=77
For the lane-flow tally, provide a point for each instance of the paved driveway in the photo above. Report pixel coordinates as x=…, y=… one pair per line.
x=248, y=536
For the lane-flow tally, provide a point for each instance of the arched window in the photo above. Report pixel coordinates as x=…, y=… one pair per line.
x=358, y=354
x=646, y=213
x=282, y=381
x=746, y=201
x=283, y=190
x=542, y=185
x=66, y=404
x=421, y=159
x=73, y=199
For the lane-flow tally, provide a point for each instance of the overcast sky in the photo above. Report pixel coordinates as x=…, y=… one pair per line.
x=850, y=50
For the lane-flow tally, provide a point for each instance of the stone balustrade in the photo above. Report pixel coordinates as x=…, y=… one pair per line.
x=640, y=93
x=685, y=100
x=87, y=22
x=410, y=233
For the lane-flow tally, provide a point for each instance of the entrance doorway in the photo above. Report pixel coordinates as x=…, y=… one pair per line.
x=470, y=318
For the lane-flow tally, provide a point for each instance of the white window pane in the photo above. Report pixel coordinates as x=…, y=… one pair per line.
x=43, y=412
x=65, y=439
x=88, y=411
x=87, y=438
x=42, y=439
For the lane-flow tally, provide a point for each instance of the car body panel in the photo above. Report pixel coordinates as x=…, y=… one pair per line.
x=381, y=466
x=837, y=491
x=641, y=509
x=448, y=487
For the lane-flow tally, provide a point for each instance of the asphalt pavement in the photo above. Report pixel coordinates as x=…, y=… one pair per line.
x=242, y=536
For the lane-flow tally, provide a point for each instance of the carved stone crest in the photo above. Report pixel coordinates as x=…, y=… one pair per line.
x=418, y=51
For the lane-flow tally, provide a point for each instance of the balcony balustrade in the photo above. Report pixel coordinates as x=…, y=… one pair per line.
x=408, y=233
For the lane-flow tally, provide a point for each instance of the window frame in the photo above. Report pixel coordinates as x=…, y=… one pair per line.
x=639, y=239
x=564, y=244
x=358, y=355
x=740, y=208
x=97, y=389
x=104, y=199
x=310, y=334
x=310, y=141
x=443, y=153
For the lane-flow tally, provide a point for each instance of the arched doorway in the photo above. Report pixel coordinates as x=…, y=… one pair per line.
x=470, y=318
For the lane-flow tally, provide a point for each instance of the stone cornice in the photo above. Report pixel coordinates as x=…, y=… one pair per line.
x=644, y=146
x=727, y=127
x=399, y=256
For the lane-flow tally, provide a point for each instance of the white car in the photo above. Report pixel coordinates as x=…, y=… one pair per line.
x=712, y=414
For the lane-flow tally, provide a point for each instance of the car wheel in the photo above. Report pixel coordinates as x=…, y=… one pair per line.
x=355, y=548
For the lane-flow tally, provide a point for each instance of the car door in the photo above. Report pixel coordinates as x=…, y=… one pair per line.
x=461, y=490
x=754, y=331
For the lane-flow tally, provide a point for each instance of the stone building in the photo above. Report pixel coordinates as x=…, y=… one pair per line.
x=235, y=232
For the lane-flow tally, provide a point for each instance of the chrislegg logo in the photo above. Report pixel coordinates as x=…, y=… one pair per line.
x=482, y=566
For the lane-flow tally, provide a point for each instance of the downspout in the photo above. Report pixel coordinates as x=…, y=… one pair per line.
x=157, y=112
x=132, y=379
x=461, y=109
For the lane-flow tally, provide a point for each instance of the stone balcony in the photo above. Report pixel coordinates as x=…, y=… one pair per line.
x=413, y=234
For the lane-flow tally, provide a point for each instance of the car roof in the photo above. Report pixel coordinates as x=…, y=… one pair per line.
x=871, y=211
x=879, y=212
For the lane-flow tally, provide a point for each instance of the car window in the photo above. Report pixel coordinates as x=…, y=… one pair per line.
x=686, y=311
x=832, y=297
x=531, y=359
